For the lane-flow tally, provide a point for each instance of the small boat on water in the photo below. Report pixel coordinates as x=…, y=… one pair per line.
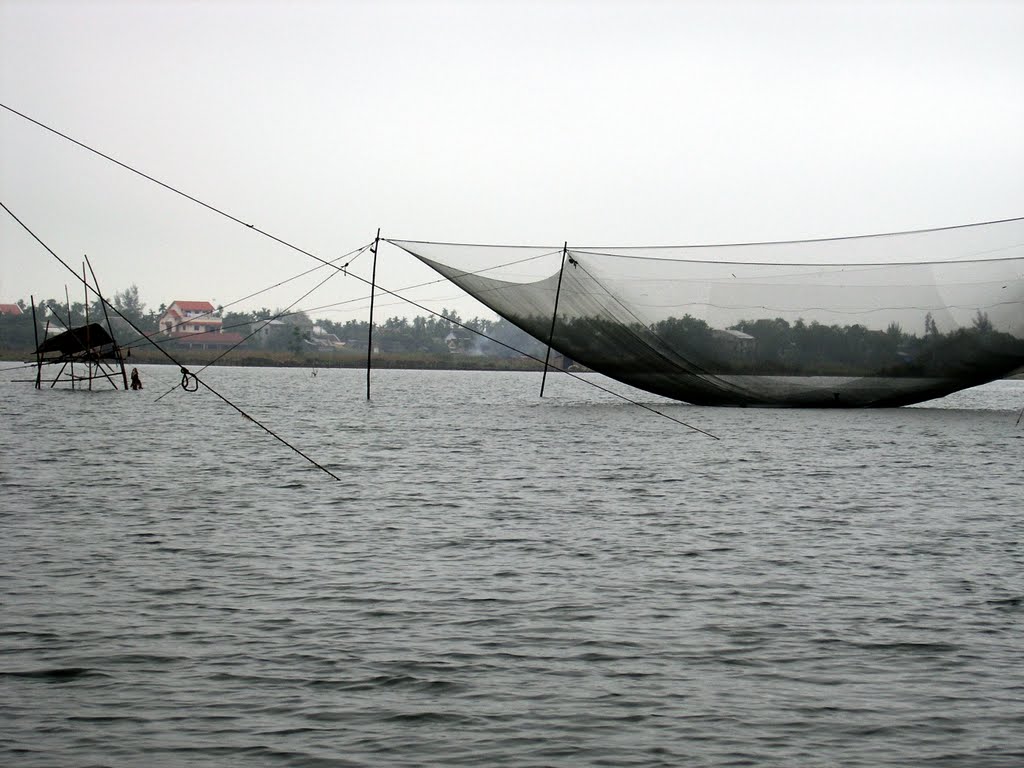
x=869, y=321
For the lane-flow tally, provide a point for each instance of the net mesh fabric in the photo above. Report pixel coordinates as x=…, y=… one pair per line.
x=866, y=321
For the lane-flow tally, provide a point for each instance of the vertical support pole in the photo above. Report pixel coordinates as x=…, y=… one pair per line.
x=116, y=351
x=369, y=330
x=67, y=298
x=554, y=316
x=39, y=356
x=88, y=343
x=46, y=335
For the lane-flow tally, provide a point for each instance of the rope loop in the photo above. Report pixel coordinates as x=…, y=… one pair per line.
x=189, y=381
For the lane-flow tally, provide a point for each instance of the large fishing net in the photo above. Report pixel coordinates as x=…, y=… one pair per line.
x=879, y=320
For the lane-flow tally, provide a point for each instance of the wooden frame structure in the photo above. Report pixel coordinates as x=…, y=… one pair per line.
x=91, y=346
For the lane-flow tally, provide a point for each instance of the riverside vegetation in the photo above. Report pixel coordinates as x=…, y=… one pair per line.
x=276, y=338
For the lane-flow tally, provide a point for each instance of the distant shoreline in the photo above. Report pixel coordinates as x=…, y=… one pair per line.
x=248, y=359
x=413, y=362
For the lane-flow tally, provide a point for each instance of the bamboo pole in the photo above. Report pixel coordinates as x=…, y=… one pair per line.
x=369, y=330
x=554, y=316
x=35, y=332
x=67, y=299
x=110, y=329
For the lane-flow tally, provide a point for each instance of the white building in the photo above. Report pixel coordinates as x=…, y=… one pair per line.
x=189, y=317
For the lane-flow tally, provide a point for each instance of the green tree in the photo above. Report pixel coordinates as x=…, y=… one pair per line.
x=130, y=305
x=237, y=322
x=982, y=324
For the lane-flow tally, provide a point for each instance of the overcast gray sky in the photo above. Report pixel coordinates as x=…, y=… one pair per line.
x=523, y=122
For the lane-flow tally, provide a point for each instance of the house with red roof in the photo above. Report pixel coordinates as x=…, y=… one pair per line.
x=10, y=309
x=189, y=317
x=195, y=325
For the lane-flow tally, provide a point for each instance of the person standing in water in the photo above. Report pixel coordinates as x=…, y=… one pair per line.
x=136, y=381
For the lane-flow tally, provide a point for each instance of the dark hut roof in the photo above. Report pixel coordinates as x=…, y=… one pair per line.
x=77, y=340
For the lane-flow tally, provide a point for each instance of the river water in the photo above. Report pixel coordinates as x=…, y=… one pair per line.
x=500, y=580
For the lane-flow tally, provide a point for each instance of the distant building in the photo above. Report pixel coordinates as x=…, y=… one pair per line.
x=195, y=325
x=188, y=318
x=735, y=342
x=324, y=339
x=10, y=309
x=266, y=331
x=458, y=344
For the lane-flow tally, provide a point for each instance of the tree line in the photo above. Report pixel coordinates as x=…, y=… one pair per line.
x=278, y=330
x=771, y=345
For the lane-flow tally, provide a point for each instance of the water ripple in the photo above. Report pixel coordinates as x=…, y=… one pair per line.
x=504, y=582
